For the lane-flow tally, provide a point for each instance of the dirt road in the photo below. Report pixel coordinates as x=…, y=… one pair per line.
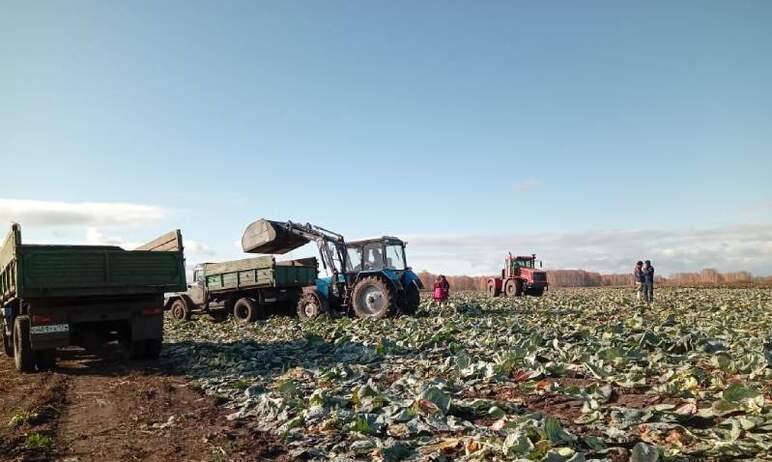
x=109, y=409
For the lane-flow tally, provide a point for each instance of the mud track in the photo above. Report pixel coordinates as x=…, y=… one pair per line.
x=108, y=408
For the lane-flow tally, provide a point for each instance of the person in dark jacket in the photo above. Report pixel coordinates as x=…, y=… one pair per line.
x=638, y=279
x=648, y=282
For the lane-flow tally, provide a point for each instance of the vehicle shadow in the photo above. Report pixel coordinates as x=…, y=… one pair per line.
x=111, y=360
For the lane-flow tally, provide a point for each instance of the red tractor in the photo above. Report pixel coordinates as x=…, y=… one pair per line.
x=519, y=277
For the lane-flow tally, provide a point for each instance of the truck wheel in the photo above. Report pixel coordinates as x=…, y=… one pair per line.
x=493, y=291
x=311, y=307
x=372, y=298
x=180, y=310
x=412, y=300
x=245, y=310
x=7, y=344
x=22, y=351
x=45, y=359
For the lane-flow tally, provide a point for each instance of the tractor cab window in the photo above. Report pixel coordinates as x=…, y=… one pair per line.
x=524, y=263
x=333, y=257
x=395, y=257
x=354, y=259
x=373, y=256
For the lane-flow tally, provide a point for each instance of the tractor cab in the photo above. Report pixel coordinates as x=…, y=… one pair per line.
x=515, y=263
x=378, y=254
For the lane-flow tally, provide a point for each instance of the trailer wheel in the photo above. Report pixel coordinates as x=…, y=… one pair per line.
x=180, y=310
x=46, y=359
x=245, y=310
x=22, y=351
x=493, y=291
x=513, y=288
x=373, y=298
x=412, y=300
x=311, y=307
x=7, y=344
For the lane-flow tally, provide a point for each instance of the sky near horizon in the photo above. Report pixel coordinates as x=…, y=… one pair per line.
x=591, y=133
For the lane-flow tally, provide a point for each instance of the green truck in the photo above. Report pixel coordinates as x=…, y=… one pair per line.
x=85, y=295
x=245, y=289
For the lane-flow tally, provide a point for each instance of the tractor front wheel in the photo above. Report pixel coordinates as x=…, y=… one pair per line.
x=373, y=298
x=311, y=307
x=513, y=288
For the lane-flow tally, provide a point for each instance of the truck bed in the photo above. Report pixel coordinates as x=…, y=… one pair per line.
x=259, y=272
x=34, y=271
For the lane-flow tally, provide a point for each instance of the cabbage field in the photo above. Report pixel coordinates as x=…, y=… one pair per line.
x=580, y=374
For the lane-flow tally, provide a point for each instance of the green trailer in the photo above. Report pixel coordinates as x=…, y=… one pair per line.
x=247, y=289
x=86, y=295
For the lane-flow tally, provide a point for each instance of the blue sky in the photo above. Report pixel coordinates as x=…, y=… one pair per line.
x=557, y=127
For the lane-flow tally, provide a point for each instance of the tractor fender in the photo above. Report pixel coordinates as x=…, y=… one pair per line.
x=409, y=277
x=393, y=281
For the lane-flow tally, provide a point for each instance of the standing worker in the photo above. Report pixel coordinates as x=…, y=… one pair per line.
x=648, y=282
x=441, y=289
x=638, y=280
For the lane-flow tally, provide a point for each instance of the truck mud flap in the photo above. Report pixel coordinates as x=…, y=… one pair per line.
x=146, y=328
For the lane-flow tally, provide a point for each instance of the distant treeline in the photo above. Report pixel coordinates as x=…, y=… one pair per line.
x=581, y=278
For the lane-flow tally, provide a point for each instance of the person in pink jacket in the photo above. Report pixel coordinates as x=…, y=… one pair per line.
x=441, y=289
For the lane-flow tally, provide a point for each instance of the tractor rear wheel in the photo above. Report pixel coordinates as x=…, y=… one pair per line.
x=412, y=300
x=180, y=310
x=493, y=291
x=373, y=298
x=245, y=310
x=311, y=307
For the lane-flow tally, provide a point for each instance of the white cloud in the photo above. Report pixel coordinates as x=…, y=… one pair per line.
x=95, y=236
x=730, y=248
x=197, y=248
x=526, y=185
x=50, y=213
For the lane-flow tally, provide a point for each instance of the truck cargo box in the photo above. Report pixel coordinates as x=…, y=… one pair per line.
x=30, y=270
x=257, y=272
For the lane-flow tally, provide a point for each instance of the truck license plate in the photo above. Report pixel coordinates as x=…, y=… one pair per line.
x=50, y=329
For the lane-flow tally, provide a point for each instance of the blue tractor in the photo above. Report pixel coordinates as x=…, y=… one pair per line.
x=368, y=278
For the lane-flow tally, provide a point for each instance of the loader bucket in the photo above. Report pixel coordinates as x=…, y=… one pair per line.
x=270, y=237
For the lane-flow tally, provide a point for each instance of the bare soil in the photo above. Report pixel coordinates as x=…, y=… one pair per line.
x=107, y=408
